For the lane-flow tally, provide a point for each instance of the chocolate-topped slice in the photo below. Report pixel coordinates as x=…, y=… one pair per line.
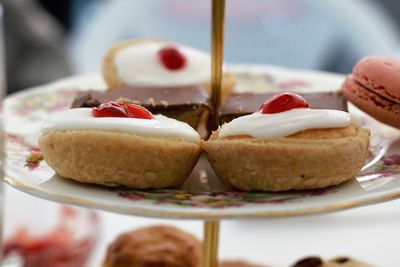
x=186, y=103
x=241, y=104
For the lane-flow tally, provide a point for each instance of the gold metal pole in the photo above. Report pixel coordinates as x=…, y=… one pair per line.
x=211, y=228
x=217, y=45
x=210, y=244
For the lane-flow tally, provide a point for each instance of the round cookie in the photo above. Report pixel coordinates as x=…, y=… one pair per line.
x=373, y=87
x=154, y=246
x=380, y=75
x=381, y=108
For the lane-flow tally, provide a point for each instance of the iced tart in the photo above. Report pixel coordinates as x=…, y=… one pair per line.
x=240, y=104
x=119, y=144
x=288, y=146
x=165, y=77
x=157, y=63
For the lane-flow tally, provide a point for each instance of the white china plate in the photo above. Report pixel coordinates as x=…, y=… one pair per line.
x=202, y=196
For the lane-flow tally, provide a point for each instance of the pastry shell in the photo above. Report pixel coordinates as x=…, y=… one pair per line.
x=308, y=160
x=118, y=158
x=113, y=80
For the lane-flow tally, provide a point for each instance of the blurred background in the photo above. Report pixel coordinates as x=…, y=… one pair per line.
x=48, y=39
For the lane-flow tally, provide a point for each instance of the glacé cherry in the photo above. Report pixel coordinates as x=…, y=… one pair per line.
x=283, y=102
x=124, y=110
x=171, y=58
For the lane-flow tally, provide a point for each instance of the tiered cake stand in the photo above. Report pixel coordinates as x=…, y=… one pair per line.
x=202, y=196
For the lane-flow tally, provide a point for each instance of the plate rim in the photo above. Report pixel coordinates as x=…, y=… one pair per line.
x=207, y=215
x=210, y=214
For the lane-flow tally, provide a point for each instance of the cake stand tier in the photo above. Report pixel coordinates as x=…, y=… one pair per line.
x=202, y=196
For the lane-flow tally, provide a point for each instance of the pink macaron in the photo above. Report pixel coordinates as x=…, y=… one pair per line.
x=374, y=87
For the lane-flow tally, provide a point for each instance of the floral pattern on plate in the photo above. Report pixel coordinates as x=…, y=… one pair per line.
x=218, y=200
x=199, y=197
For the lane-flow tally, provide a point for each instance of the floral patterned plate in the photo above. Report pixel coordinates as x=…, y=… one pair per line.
x=202, y=196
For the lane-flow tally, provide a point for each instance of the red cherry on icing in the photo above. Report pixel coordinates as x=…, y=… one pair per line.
x=109, y=109
x=171, y=58
x=283, y=102
x=126, y=110
x=136, y=111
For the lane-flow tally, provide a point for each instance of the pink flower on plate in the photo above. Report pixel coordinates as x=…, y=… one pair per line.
x=34, y=149
x=31, y=165
x=130, y=196
x=14, y=138
x=380, y=174
x=391, y=160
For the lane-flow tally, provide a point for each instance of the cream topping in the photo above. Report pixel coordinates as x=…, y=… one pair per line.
x=82, y=119
x=285, y=123
x=139, y=65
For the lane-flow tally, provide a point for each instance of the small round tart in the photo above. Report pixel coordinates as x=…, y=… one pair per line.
x=112, y=151
x=159, y=63
x=289, y=150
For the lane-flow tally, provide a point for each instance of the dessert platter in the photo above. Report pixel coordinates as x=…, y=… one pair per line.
x=202, y=195
x=152, y=136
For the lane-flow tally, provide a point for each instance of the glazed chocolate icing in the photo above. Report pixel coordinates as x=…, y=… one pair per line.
x=247, y=103
x=155, y=99
x=309, y=262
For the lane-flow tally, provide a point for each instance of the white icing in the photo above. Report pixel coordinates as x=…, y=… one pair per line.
x=285, y=123
x=82, y=119
x=139, y=65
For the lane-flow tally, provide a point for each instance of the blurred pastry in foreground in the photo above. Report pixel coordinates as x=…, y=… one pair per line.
x=288, y=146
x=335, y=262
x=164, y=246
x=231, y=263
x=119, y=144
x=159, y=64
x=374, y=88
